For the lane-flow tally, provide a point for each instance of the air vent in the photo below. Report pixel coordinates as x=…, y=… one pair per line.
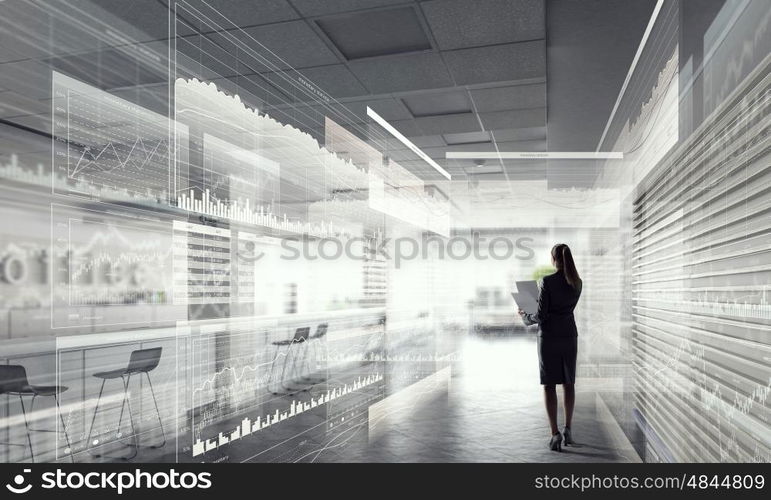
x=376, y=32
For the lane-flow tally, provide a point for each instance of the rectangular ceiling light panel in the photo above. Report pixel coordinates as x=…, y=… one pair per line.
x=534, y=155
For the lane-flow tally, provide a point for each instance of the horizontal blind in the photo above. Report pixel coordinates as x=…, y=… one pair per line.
x=701, y=286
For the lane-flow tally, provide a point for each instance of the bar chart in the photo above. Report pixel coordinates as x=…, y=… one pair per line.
x=249, y=426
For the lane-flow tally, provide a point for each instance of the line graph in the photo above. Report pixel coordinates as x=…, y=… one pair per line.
x=106, y=259
x=221, y=386
x=109, y=157
x=115, y=264
x=111, y=143
x=246, y=373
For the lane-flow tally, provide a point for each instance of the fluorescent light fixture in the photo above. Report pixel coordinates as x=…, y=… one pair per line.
x=380, y=121
x=534, y=155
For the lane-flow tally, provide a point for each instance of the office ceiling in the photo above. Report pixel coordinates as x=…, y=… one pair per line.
x=452, y=75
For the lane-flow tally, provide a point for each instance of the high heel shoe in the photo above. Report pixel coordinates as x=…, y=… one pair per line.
x=568, y=436
x=555, y=444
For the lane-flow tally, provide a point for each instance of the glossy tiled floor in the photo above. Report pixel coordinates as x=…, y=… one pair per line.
x=493, y=413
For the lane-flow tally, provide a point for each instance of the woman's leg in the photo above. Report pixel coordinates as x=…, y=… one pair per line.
x=569, y=400
x=550, y=399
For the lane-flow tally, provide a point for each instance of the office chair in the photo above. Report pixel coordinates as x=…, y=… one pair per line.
x=13, y=381
x=141, y=361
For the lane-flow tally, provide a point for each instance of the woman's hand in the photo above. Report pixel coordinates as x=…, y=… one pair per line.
x=521, y=312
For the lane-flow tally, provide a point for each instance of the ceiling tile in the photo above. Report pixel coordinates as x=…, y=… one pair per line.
x=30, y=30
x=511, y=62
x=389, y=108
x=107, y=69
x=489, y=22
x=152, y=97
x=521, y=118
x=520, y=134
x=373, y=33
x=527, y=146
x=25, y=29
x=402, y=73
x=447, y=124
x=440, y=103
x=511, y=97
x=441, y=152
x=421, y=141
x=145, y=16
x=312, y=8
x=467, y=138
x=16, y=104
x=243, y=12
x=335, y=80
x=406, y=127
x=428, y=141
x=189, y=67
x=17, y=48
x=293, y=42
x=30, y=78
x=208, y=52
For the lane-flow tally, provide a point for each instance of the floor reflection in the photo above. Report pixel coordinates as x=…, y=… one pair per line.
x=492, y=412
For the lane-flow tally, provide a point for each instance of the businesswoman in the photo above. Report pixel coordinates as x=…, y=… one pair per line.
x=557, y=339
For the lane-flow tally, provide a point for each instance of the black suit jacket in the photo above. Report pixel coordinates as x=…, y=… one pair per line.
x=556, y=301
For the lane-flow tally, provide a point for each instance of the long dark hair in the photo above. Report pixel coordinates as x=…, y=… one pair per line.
x=563, y=258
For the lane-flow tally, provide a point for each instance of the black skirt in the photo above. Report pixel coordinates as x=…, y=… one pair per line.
x=557, y=359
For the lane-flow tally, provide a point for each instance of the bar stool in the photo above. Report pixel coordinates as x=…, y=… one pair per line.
x=300, y=337
x=311, y=363
x=141, y=361
x=13, y=381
